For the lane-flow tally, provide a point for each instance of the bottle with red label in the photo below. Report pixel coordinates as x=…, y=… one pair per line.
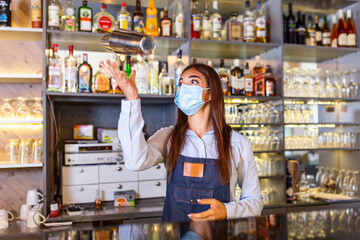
x=259, y=78
x=104, y=22
x=270, y=83
x=350, y=30
x=195, y=20
x=341, y=30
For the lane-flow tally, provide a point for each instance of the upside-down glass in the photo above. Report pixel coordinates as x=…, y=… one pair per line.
x=37, y=151
x=12, y=150
x=6, y=110
x=24, y=151
x=36, y=112
x=22, y=111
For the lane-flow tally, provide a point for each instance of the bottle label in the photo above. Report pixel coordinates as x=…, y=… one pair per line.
x=105, y=23
x=69, y=24
x=270, y=88
x=252, y=225
x=70, y=76
x=259, y=80
x=151, y=22
x=206, y=24
x=260, y=33
x=260, y=23
x=141, y=81
x=249, y=86
x=236, y=31
x=216, y=24
x=351, y=40
x=326, y=38
x=196, y=19
x=289, y=193
x=334, y=42
x=225, y=83
x=139, y=25
x=35, y=10
x=179, y=25
x=102, y=83
x=84, y=78
x=123, y=21
x=292, y=26
x=85, y=19
x=248, y=29
x=54, y=77
x=312, y=38
x=53, y=12
x=318, y=36
x=237, y=82
x=342, y=39
x=166, y=27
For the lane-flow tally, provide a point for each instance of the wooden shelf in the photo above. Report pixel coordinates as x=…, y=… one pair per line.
x=20, y=122
x=21, y=34
x=21, y=78
x=27, y=165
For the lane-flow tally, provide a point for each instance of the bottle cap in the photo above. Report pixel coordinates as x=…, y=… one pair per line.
x=257, y=58
x=334, y=18
x=234, y=14
x=348, y=13
x=85, y=57
x=215, y=5
x=71, y=48
x=341, y=13
x=123, y=4
x=222, y=63
x=247, y=4
x=179, y=53
x=246, y=65
x=237, y=62
x=103, y=6
x=55, y=47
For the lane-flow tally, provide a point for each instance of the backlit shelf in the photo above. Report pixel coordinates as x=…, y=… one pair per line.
x=253, y=125
x=324, y=149
x=21, y=78
x=21, y=34
x=317, y=101
x=269, y=151
x=25, y=165
x=321, y=125
x=271, y=177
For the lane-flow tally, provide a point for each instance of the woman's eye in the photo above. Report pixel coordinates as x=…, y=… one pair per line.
x=180, y=83
x=194, y=82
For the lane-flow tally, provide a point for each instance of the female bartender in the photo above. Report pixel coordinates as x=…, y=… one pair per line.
x=204, y=158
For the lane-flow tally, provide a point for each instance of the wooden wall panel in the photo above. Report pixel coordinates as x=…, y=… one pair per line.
x=14, y=186
x=21, y=13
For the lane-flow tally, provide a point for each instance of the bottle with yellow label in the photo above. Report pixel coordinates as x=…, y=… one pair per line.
x=101, y=82
x=151, y=20
x=124, y=18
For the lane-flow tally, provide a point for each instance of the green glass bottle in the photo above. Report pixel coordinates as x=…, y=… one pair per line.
x=85, y=18
x=128, y=66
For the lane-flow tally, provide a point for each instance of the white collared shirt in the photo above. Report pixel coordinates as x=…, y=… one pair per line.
x=140, y=154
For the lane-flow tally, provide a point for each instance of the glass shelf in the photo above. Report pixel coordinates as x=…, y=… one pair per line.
x=21, y=34
x=317, y=101
x=20, y=122
x=228, y=49
x=321, y=125
x=89, y=41
x=321, y=7
x=324, y=149
x=268, y=151
x=26, y=165
x=271, y=177
x=247, y=99
x=254, y=125
x=21, y=78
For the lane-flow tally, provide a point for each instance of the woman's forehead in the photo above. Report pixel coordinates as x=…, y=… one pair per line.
x=192, y=71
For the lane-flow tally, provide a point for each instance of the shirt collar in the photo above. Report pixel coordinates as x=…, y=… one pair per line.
x=190, y=132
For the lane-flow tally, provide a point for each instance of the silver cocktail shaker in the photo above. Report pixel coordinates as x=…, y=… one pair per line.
x=129, y=42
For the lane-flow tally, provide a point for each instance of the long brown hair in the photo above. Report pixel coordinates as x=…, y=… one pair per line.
x=221, y=129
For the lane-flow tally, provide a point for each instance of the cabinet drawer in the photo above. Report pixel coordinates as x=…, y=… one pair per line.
x=156, y=172
x=150, y=189
x=79, y=193
x=80, y=175
x=117, y=173
x=107, y=190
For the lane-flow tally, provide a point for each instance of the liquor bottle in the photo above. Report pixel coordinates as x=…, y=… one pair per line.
x=318, y=32
x=334, y=36
x=70, y=72
x=151, y=20
x=249, y=81
x=179, y=67
x=350, y=30
x=252, y=228
x=326, y=38
x=101, y=83
x=85, y=76
x=289, y=192
x=179, y=20
x=165, y=81
x=104, y=22
x=165, y=25
x=36, y=21
x=262, y=223
x=291, y=26
x=85, y=17
x=210, y=63
x=205, y=32
x=259, y=78
x=233, y=28
x=310, y=38
x=285, y=29
x=237, y=82
x=215, y=19
x=195, y=20
x=128, y=66
x=68, y=16
x=54, y=14
x=124, y=18
x=300, y=29
x=97, y=201
x=54, y=80
x=141, y=78
x=194, y=61
x=138, y=18
x=270, y=84
x=153, y=75
x=341, y=30
x=248, y=24
x=260, y=24
x=224, y=77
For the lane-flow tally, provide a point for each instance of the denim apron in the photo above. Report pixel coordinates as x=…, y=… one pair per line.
x=182, y=191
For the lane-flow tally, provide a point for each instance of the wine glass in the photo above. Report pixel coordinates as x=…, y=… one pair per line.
x=354, y=88
x=330, y=89
x=345, y=89
x=337, y=85
x=354, y=186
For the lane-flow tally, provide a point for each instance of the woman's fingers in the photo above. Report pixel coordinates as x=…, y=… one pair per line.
x=132, y=76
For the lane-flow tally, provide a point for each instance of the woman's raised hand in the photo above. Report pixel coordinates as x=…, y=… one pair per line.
x=127, y=85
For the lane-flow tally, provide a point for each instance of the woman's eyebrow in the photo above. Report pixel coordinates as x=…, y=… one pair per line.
x=194, y=76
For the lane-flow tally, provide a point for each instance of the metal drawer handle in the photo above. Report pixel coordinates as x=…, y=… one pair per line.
x=158, y=167
x=119, y=186
x=81, y=170
x=119, y=169
x=157, y=184
x=81, y=189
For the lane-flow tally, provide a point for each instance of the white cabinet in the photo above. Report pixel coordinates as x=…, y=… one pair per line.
x=77, y=175
x=79, y=193
x=116, y=173
x=154, y=173
x=107, y=190
x=151, y=189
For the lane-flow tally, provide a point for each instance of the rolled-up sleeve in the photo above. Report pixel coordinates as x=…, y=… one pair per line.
x=140, y=154
x=251, y=200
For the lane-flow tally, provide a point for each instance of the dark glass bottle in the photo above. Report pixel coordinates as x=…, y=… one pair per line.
x=195, y=20
x=224, y=77
x=85, y=18
x=285, y=30
x=318, y=32
x=128, y=66
x=138, y=18
x=341, y=30
x=237, y=83
x=249, y=81
x=85, y=76
x=289, y=192
x=291, y=26
x=326, y=35
x=300, y=29
x=270, y=83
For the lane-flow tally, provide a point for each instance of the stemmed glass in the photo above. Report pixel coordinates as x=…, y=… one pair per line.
x=330, y=89
x=339, y=181
x=345, y=89
x=337, y=85
x=354, y=187
x=354, y=88
x=6, y=110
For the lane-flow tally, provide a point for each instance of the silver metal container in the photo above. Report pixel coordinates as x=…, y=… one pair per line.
x=127, y=42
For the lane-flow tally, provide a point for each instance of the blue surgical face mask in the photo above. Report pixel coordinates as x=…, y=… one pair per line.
x=189, y=99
